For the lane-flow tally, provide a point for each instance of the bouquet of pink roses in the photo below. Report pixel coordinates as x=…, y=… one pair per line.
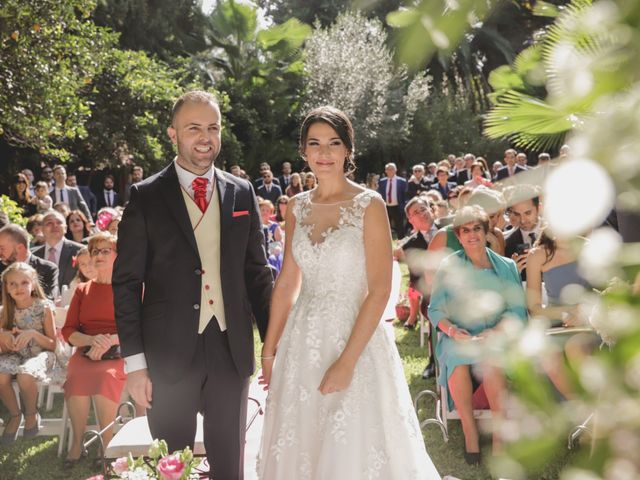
x=158, y=465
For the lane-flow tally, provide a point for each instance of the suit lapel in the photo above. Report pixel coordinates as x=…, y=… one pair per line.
x=65, y=260
x=226, y=195
x=175, y=203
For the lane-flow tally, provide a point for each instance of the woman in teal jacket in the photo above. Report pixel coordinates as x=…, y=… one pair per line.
x=474, y=290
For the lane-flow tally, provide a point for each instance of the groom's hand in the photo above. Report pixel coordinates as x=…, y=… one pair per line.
x=139, y=387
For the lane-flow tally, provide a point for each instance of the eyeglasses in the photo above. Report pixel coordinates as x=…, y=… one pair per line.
x=101, y=251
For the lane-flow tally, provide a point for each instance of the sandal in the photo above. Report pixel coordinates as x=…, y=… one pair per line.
x=10, y=437
x=33, y=431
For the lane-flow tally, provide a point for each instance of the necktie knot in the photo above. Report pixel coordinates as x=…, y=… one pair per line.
x=199, y=186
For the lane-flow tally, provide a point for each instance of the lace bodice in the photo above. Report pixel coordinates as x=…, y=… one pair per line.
x=328, y=245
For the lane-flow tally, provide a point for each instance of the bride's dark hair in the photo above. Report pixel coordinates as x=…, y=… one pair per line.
x=337, y=120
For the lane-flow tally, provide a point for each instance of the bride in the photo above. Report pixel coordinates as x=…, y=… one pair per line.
x=338, y=404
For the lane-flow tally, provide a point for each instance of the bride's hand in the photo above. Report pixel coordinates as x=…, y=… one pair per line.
x=336, y=378
x=265, y=377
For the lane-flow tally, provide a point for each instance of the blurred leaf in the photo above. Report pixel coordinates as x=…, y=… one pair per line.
x=434, y=25
x=545, y=9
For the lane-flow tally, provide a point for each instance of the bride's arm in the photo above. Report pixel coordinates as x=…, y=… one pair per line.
x=284, y=295
x=379, y=258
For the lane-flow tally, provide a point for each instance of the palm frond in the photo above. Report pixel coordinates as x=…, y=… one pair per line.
x=528, y=121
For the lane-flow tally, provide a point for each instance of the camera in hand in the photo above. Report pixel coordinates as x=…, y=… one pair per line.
x=522, y=248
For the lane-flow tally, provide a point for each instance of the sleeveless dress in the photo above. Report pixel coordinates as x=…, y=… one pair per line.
x=369, y=430
x=33, y=359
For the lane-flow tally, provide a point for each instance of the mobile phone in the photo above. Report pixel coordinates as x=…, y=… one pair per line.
x=522, y=248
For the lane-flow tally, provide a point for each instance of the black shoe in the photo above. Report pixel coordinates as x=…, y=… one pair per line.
x=429, y=372
x=472, y=458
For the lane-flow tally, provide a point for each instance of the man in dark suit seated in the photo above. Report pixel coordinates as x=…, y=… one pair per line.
x=413, y=251
x=14, y=247
x=524, y=207
x=57, y=249
x=269, y=190
x=443, y=185
x=511, y=168
x=62, y=193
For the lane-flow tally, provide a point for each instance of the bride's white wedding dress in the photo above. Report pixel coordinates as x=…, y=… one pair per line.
x=369, y=430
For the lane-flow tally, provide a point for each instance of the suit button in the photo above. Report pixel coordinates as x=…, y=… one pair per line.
x=210, y=302
x=197, y=271
x=196, y=306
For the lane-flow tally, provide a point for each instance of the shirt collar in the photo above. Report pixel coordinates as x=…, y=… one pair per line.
x=186, y=178
x=57, y=246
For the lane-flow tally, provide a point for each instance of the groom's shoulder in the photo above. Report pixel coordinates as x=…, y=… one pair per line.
x=239, y=183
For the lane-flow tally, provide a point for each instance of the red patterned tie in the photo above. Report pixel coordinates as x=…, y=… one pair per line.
x=390, y=192
x=199, y=186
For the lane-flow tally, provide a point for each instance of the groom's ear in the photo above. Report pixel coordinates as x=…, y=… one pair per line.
x=172, y=135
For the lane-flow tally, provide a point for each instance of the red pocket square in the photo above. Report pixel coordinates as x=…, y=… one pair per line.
x=240, y=213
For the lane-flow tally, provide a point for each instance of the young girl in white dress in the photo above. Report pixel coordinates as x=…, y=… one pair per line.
x=338, y=405
x=27, y=345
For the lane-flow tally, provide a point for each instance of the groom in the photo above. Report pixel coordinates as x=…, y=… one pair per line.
x=190, y=272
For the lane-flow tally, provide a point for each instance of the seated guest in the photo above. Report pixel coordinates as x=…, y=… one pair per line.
x=417, y=183
x=493, y=203
x=552, y=263
x=57, y=249
x=272, y=231
x=34, y=228
x=477, y=176
x=63, y=208
x=14, y=247
x=461, y=278
x=443, y=185
x=281, y=209
x=78, y=227
x=27, y=343
x=420, y=216
x=310, y=181
x=95, y=369
x=19, y=193
x=86, y=272
x=295, y=186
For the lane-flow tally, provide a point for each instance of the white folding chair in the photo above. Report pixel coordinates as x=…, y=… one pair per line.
x=442, y=413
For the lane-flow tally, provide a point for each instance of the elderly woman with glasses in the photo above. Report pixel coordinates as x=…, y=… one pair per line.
x=474, y=291
x=95, y=369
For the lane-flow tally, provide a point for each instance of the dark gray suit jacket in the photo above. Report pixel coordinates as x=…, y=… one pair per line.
x=66, y=271
x=75, y=202
x=157, y=277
